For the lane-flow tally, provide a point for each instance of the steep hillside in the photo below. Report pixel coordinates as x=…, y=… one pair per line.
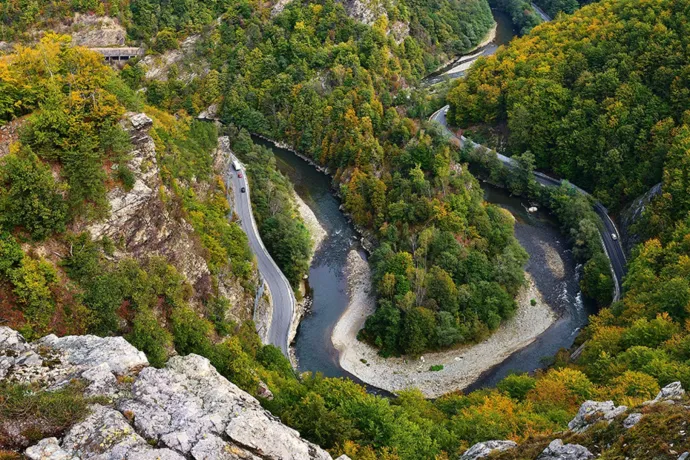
x=122, y=408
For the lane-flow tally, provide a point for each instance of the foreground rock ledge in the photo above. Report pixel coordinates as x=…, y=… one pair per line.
x=186, y=410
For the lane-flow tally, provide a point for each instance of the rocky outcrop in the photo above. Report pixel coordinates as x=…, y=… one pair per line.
x=632, y=420
x=559, y=451
x=185, y=59
x=592, y=412
x=139, y=222
x=186, y=410
x=632, y=214
x=669, y=394
x=97, y=31
x=484, y=449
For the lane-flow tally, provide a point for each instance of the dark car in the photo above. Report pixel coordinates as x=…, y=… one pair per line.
x=240, y=175
x=243, y=190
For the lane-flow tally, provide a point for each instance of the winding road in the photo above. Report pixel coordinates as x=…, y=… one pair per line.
x=611, y=244
x=281, y=292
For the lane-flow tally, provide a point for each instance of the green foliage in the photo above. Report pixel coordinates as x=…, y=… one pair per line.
x=517, y=385
x=521, y=13
x=149, y=336
x=588, y=96
x=32, y=281
x=29, y=196
x=42, y=413
x=11, y=253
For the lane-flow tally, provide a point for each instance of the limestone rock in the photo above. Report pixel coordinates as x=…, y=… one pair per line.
x=139, y=218
x=187, y=402
x=558, y=451
x=632, y=420
x=671, y=392
x=592, y=411
x=264, y=392
x=48, y=449
x=97, y=31
x=52, y=362
x=105, y=433
x=186, y=410
x=484, y=449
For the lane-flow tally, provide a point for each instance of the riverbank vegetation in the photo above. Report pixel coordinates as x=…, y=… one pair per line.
x=521, y=12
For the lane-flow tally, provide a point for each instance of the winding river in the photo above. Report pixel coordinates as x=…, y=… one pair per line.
x=550, y=264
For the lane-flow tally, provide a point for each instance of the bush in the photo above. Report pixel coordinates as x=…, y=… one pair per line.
x=34, y=415
x=29, y=196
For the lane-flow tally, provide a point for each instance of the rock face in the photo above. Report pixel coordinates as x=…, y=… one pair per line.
x=185, y=411
x=484, y=449
x=140, y=219
x=559, y=451
x=97, y=31
x=142, y=225
x=158, y=66
x=592, y=412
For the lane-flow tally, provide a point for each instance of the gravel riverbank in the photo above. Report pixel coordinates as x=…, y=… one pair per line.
x=461, y=367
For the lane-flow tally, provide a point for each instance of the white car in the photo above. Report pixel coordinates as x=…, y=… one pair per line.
x=614, y=236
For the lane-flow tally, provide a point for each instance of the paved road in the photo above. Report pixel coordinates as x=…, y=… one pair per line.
x=544, y=17
x=613, y=248
x=281, y=291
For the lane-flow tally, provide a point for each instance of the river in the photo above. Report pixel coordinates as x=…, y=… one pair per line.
x=537, y=232
x=504, y=33
x=550, y=264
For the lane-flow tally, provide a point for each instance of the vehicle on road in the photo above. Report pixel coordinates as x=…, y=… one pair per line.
x=240, y=175
x=236, y=165
x=243, y=190
x=614, y=237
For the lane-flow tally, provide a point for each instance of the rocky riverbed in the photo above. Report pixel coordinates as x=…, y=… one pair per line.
x=461, y=367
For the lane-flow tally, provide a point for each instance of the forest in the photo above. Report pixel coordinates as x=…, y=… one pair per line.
x=598, y=98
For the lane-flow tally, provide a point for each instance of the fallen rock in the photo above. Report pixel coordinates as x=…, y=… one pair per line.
x=484, y=449
x=264, y=392
x=632, y=420
x=592, y=412
x=48, y=449
x=669, y=394
x=559, y=451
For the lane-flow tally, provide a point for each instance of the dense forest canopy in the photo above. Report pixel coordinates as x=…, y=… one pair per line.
x=597, y=98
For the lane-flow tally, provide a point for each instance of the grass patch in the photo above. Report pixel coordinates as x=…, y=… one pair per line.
x=436, y=367
x=28, y=415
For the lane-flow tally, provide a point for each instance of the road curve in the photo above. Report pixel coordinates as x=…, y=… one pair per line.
x=281, y=292
x=612, y=246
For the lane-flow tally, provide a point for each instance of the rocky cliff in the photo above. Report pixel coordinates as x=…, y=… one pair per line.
x=185, y=410
x=142, y=225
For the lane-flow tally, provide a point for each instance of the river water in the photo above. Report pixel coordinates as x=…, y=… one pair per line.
x=550, y=264
x=504, y=33
x=537, y=232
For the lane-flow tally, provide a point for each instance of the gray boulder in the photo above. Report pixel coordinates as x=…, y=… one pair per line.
x=484, y=449
x=48, y=449
x=632, y=420
x=669, y=394
x=190, y=408
x=592, y=412
x=559, y=451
